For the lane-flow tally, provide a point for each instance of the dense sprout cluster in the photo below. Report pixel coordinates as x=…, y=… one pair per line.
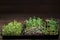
x=34, y=26
x=52, y=26
x=37, y=25
x=33, y=22
x=12, y=29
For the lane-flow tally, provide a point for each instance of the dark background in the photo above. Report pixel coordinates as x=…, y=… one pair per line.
x=42, y=8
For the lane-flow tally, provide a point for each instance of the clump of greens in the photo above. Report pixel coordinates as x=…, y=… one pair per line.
x=33, y=22
x=12, y=29
x=53, y=26
x=37, y=25
x=34, y=26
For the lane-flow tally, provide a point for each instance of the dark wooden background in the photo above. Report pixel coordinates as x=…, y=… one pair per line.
x=24, y=8
x=48, y=8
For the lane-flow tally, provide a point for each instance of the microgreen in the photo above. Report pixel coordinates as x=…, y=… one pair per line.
x=12, y=29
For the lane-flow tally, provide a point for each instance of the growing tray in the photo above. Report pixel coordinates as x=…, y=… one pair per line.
x=32, y=37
